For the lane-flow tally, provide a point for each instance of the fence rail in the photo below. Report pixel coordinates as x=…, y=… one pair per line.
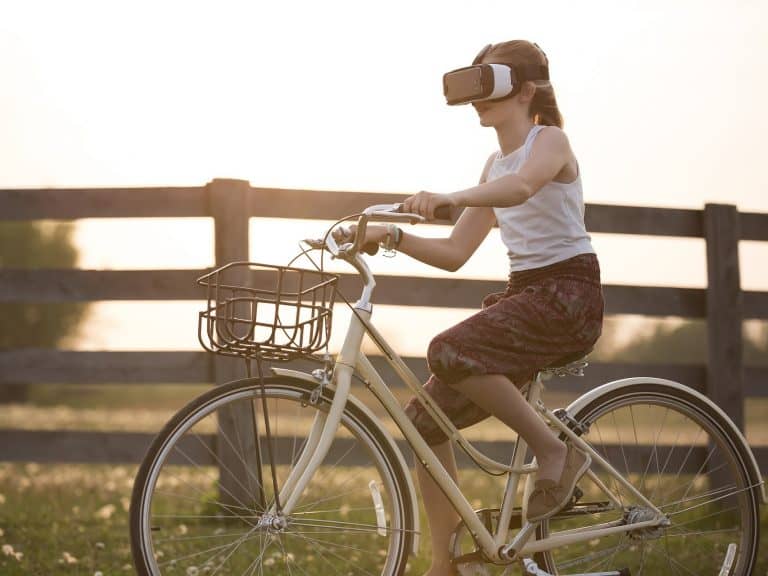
x=231, y=202
x=30, y=366
x=88, y=285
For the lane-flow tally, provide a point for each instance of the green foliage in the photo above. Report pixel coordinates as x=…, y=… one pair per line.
x=756, y=347
x=27, y=325
x=37, y=245
x=686, y=343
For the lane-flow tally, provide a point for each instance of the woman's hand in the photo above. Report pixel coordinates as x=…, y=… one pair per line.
x=374, y=233
x=425, y=203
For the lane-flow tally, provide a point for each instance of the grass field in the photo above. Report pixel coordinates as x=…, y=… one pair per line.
x=73, y=519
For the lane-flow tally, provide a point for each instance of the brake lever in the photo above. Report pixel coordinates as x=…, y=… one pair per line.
x=328, y=242
x=314, y=243
x=394, y=213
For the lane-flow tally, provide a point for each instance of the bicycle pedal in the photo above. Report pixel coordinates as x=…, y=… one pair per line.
x=577, y=494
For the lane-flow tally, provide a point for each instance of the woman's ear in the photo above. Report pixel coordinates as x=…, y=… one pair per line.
x=527, y=91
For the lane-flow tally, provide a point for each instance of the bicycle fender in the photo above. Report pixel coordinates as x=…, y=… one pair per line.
x=286, y=373
x=587, y=398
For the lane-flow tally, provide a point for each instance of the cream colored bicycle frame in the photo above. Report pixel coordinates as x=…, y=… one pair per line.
x=495, y=546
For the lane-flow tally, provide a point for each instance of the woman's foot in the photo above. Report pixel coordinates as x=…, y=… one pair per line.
x=550, y=465
x=550, y=496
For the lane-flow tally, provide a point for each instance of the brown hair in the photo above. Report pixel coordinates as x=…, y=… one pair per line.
x=544, y=108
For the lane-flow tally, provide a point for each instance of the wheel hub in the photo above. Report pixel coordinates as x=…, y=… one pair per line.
x=637, y=514
x=272, y=523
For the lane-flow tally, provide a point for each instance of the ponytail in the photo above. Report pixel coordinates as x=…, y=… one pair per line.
x=544, y=109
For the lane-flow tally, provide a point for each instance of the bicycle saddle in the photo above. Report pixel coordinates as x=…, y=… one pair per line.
x=568, y=359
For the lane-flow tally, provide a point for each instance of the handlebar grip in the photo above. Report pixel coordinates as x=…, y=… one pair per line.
x=441, y=212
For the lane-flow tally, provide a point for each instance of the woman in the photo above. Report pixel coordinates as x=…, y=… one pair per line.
x=553, y=305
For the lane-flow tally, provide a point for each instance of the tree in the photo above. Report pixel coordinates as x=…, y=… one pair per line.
x=686, y=343
x=756, y=347
x=35, y=325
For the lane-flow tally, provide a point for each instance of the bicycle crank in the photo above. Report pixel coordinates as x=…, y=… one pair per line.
x=467, y=559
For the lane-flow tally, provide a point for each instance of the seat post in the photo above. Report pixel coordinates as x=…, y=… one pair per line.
x=536, y=386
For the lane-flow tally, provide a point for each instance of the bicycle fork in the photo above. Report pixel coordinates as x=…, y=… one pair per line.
x=324, y=425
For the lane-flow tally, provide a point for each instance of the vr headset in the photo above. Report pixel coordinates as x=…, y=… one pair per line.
x=488, y=82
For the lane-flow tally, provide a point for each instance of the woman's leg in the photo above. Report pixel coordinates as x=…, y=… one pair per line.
x=440, y=514
x=498, y=395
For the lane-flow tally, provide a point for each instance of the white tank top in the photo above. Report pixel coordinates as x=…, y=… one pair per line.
x=547, y=228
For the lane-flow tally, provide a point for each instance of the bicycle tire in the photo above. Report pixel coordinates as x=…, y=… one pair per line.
x=175, y=509
x=708, y=491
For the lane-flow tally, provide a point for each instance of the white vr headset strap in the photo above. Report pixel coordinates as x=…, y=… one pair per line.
x=502, y=81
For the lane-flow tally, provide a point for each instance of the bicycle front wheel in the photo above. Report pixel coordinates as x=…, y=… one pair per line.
x=680, y=454
x=204, y=499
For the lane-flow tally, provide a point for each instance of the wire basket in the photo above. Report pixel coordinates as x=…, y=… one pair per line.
x=260, y=310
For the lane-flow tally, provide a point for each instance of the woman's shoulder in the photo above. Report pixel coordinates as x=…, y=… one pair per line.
x=553, y=140
x=550, y=135
x=548, y=140
x=488, y=164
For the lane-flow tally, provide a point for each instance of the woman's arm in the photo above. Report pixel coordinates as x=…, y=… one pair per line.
x=447, y=253
x=451, y=253
x=550, y=153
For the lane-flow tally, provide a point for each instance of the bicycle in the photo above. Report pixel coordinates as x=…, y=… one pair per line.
x=292, y=474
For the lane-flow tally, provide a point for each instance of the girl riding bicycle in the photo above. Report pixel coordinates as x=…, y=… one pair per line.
x=553, y=305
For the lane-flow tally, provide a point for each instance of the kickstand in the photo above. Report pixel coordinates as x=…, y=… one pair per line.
x=530, y=568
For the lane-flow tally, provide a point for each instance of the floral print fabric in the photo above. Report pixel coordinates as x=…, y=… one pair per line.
x=544, y=315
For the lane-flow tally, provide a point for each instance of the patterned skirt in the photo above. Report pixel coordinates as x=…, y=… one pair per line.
x=544, y=315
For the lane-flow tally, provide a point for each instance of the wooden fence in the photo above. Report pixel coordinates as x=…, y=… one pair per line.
x=232, y=202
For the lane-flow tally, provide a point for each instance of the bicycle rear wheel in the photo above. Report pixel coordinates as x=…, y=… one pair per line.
x=197, y=501
x=678, y=452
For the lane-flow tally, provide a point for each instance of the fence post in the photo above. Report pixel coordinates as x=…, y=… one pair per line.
x=229, y=206
x=724, y=311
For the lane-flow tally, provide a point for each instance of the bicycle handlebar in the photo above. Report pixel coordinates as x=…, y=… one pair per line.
x=375, y=213
x=350, y=252
x=390, y=212
x=441, y=213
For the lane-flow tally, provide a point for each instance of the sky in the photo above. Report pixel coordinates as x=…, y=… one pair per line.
x=663, y=103
x=663, y=100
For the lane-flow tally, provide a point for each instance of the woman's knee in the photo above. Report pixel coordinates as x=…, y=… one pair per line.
x=424, y=423
x=453, y=359
x=441, y=356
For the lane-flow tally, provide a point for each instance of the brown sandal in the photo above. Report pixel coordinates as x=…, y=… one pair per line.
x=549, y=497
